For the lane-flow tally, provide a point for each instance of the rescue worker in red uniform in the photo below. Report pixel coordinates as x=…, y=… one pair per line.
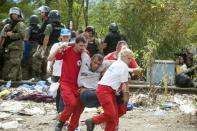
x=71, y=57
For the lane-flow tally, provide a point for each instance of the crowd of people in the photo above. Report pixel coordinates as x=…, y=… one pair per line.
x=186, y=70
x=91, y=72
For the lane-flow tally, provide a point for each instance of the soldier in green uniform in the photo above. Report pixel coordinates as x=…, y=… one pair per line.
x=31, y=43
x=13, y=36
x=2, y=50
x=51, y=36
x=38, y=56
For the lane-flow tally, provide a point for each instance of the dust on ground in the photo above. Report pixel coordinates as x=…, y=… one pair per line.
x=141, y=118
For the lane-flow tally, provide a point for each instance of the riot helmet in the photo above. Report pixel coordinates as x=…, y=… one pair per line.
x=113, y=27
x=33, y=19
x=54, y=16
x=17, y=11
x=44, y=9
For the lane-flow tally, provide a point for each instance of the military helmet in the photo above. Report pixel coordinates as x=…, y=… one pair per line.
x=113, y=27
x=15, y=10
x=44, y=8
x=54, y=16
x=33, y=19
x=90, y=29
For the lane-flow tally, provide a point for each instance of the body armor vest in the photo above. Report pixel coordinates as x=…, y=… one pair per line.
x=53, y=38
x=34, y=33
x=41, y=32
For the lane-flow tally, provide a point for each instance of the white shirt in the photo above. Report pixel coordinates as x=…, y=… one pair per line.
x=183, y=68
x=116, y=74
x=86, y=77
x=57, y=66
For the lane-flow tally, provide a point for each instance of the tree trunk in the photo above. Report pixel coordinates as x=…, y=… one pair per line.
x=47, y=2
x=2, y=2
x=86, y=12
x=70, y=12
x=78, y=14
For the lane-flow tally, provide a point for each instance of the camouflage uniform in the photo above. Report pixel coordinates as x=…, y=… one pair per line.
x=52, y=38
x=31, y=47
x=12, y=64
x=1, y=25
x=40, y=57
x=52, y=31
x=37, y=58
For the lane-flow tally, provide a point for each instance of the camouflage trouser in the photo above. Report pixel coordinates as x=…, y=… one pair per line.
x=39, y=64
x=27, y=60
x=2, y=53
x=12, y=66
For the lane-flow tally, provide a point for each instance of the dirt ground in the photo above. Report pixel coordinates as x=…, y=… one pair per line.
x=139, y=119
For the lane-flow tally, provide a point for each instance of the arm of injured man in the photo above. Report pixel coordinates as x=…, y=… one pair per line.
x=105, y=65
x=125, y=90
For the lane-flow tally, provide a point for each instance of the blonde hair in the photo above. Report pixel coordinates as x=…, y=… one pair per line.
x=125, y=51
x=121, y=43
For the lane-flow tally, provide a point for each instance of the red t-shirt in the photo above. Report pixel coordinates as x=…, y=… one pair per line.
x=112, y=56
x=70, y=66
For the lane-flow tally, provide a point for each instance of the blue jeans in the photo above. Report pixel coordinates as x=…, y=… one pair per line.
x=89, y=99
x=58, y=99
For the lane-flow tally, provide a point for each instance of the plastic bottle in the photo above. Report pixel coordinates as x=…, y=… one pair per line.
x=8, y=84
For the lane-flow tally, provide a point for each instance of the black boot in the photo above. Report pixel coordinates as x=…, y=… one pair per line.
x=59, y=126
x=89, y=125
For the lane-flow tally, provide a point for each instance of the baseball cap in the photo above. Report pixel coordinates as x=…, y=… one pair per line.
x=65, y=32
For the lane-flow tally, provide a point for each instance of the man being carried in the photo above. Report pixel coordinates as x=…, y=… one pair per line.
x=89, y=75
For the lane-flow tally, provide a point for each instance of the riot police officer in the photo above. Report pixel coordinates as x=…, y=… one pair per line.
x=112, y=38
x=31, y=43
x=44, y=12
x=13, y=35
x=51, y=36
x=52, y=31
x=37, y=60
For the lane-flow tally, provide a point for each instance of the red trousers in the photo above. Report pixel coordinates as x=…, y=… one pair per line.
x=122, y=109
x=107, y=99
x=72, y=106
